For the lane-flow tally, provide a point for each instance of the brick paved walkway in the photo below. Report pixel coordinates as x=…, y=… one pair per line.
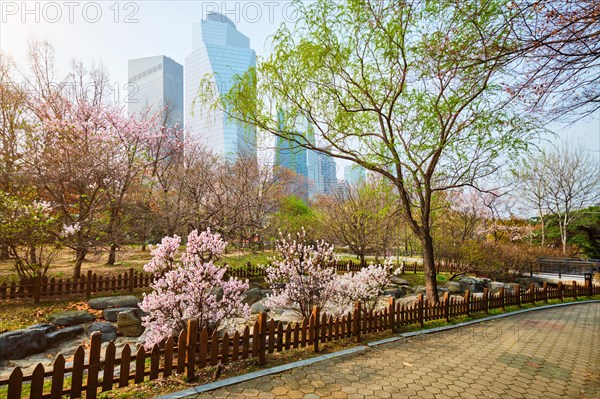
x=552, y=353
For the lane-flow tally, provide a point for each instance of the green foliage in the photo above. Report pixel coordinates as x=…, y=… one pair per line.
x=294, y=214
x=30, y=231
x=584, y=232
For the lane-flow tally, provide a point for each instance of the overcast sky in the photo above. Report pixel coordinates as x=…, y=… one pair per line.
x=111, y=32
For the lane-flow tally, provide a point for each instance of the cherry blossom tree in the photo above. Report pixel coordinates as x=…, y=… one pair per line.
x=188, y=288
x=302, y=277
x=366, y=286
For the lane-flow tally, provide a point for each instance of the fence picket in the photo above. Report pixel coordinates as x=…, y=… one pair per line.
x=109, y=367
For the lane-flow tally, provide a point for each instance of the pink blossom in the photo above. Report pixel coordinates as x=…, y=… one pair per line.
x=189, y=289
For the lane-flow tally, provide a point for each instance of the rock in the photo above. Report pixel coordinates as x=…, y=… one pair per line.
x=266, y=292
x=496, y=285
x=71, y=317
x=259, y=307
x=394, y=293
x=125, y=301
x=108, y=330
x=453, y=287
x=129, y=323
x=472, y=284
x=110, y=314
x=63, y=334
x=22, y=343
x=218, y=292
x=419, y=289
x=252, y=296
x=404, y=290
x=399, y=281
x=289, y=316
x=45, y=328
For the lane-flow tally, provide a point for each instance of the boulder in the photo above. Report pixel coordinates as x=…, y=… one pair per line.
x=108, y=330
x=45, y=327
x=289, y=316
x=419, y=289
x=22, y=343
x=472, y=284
x=496, y=285
x=404, y=290
x=398, y=281
x=218, y=292
x=129, y=323
x=453, y=287
x=63, y=334
x=125, y=301
x=252, y=296
x=259, y=307
x=110, y=314
x=71, y=317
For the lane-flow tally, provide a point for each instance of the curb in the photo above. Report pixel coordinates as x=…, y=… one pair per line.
x=357, y=349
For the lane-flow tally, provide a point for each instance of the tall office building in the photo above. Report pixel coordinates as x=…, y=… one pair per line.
x=289, y=156
x=354, y=174
x=327, y=183
x=156, y=83
x=221, y=51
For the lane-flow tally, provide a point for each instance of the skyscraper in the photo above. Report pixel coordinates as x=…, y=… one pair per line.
x=156, y=83
x=221, y=51
x=354, y=174
x=292, y=157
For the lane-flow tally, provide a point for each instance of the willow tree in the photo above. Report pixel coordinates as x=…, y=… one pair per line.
x=406, y=89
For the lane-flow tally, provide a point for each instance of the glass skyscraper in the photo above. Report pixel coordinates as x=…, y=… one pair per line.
x=156, y=83
x=219, y=50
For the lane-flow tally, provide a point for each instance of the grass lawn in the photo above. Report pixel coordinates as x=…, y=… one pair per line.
x=128, y=257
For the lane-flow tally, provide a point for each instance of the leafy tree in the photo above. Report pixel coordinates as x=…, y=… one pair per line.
x=360, y=218
x=294, y=214
x=408, y=90
x=30, y=231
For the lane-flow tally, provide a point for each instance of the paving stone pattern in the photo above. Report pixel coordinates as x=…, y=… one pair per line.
x=553, y=353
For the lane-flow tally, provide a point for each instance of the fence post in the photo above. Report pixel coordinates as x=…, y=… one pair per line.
x=560, y=291
x=37, y=288
x=190, y=354
x=518, y=294
x=467, y=301
x=94, y=365
x=575, y=290
x=415, y=267
x=391, y=314
x=533, y=292
x=130, y=280
x=530, y=269
x=262, y=338
x=420, y=309
x=486, y=300
x=88, y=284
x=316, y=316
x=502, y=299
x=447, y=306
x=357, y=321
x=545, y=291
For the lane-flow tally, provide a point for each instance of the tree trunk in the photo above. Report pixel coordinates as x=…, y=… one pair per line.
x=79, y=258
x=112, y=255
x=4, y=254
x=429, y=267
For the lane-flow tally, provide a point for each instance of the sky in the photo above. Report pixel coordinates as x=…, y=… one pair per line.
x=111, y=32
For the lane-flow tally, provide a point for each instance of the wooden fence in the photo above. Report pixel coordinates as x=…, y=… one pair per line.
x=39, y=288
x=44, y=288
x=196, y=349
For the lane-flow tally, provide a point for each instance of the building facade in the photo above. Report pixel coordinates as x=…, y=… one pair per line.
x=155, y=84
x=219, y=50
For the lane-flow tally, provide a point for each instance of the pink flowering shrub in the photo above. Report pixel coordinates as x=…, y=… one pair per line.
x=189, y=288
x=366, y=286
x=301, y=278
